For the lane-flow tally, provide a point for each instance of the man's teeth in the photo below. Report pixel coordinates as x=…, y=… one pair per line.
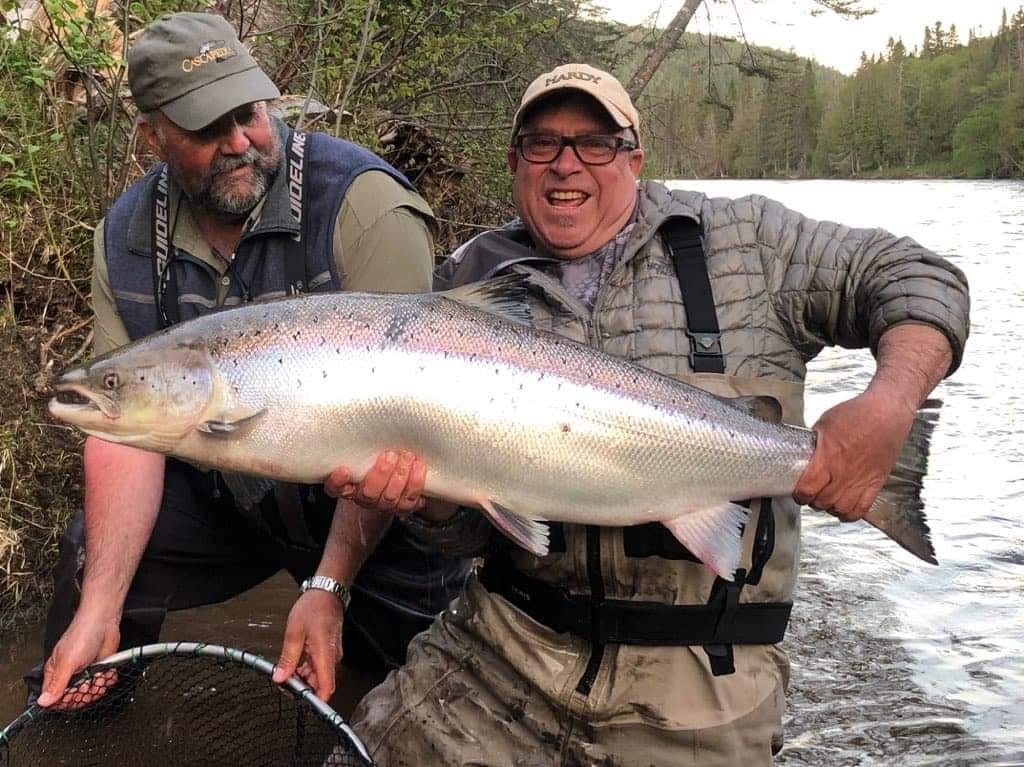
x=567, y=196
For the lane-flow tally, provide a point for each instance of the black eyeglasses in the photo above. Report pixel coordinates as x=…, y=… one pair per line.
x=591, y=150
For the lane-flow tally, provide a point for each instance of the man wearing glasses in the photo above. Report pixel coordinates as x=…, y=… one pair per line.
x=618, y=647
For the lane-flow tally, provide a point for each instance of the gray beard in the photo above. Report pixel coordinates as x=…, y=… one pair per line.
x=224, y=204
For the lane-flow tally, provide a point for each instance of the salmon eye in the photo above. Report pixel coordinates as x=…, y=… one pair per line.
x=111, y=381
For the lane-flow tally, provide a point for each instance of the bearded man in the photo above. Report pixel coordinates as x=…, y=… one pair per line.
x=241, y=208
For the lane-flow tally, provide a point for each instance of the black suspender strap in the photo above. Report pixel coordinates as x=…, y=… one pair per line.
x=295, y=249
x=165, y=287
x=683, y=238
x=722, y=622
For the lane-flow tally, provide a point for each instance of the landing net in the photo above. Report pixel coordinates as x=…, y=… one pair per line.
x=179, y=704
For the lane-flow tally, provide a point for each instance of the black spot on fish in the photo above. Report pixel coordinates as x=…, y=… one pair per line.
x=322, y=340
x=566, y=428
x=325, y=374
x=397, y=328
x=280, y=360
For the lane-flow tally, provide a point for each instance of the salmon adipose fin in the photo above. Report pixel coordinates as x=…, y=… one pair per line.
x=531, y=534
x=713, y=535
x=504, y=296
x=898, y=511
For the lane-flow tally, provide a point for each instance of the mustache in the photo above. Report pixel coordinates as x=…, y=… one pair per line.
x=250, y=157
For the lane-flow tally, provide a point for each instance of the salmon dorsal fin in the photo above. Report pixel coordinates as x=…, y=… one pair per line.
x=760, y=406
x=504, y=296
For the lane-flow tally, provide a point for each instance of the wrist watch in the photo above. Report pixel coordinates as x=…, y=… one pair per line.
x=323, y=583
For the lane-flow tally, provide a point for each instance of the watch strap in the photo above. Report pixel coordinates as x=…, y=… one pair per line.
x=323, y=583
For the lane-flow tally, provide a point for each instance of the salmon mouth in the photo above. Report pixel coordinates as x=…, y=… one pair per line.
x=75, y=399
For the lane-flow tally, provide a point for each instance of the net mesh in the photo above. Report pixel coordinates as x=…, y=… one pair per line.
x=182, y=709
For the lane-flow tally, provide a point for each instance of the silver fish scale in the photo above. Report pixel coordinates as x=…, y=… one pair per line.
x=542, y=425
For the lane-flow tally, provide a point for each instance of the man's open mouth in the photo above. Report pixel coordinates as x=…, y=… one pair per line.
x=567, y=199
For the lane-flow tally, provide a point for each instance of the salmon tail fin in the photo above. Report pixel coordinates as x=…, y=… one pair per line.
x=898, y=511
x=504, y=296
x=713, y=535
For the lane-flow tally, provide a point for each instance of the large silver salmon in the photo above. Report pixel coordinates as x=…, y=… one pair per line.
x=522, y=423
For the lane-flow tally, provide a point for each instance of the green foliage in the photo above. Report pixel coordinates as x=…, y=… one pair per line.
x=977, y=150
x=954, y=108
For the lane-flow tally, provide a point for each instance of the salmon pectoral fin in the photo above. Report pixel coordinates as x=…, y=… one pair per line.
x=713, y=535
x=230, y=422
x=531, y=534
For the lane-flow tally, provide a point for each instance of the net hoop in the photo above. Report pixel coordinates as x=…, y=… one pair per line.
x=242, y=657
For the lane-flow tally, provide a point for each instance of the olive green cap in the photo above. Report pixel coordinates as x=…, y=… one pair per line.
x=193, y=68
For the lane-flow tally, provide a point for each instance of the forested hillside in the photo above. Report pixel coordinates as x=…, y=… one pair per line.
x=939, y=107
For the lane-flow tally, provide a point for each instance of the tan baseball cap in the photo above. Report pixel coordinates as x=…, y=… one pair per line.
x=600, y=85
x=193, y=68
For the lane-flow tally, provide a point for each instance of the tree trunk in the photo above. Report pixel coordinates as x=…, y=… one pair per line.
x=666, y=42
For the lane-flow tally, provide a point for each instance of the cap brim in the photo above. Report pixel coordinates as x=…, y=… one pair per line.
x=199, y=108
x=613, y=111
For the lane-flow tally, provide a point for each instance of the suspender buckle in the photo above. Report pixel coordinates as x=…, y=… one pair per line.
x=705, y=351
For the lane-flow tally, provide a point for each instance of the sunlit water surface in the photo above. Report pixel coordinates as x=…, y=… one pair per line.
x=895, y=663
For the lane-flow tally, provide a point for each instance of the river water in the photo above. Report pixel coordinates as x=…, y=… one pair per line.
x=895, y=662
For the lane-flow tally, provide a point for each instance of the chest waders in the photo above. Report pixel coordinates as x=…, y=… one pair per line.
x=717, y=625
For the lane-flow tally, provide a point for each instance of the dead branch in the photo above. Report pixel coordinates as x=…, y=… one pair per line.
x=667, y=42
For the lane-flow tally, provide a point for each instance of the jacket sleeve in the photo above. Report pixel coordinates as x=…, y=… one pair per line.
x=834, y=285
x=108, y=329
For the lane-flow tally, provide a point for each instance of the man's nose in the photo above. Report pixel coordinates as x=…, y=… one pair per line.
x=566, y=162
x=235, y=140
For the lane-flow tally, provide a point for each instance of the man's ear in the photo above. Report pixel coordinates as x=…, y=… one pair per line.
x=513, y=159
x=152, y=139
x=636, y=161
